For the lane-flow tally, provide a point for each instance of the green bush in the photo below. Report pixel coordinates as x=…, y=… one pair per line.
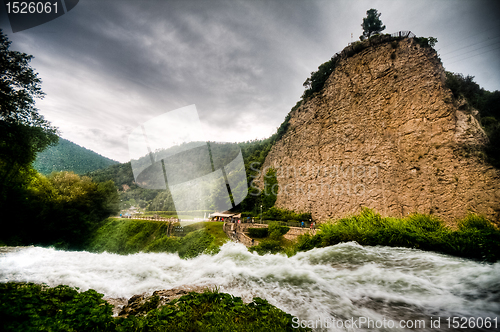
x=276, y=231
x=475, y=222
x=476, y=237
x=426, y=42
x=62, y=209
x=267, y=246
x=257, y=232
x=211, y=311
x=275, y=213
x=245, y=215
x=30, y=307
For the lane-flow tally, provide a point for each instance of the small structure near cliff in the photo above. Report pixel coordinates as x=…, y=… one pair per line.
x=384, y=132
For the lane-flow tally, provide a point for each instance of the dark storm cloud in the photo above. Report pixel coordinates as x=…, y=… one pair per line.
x=107, y=66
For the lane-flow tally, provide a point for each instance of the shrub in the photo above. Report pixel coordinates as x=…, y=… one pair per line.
x=267, y=247
x=318, y=78
x=277, y=231
x=275, y=213
x=427, y=223
x=30, y=307
x=475, y=222
x=476, y=237
x=426, y=42
x=257, y=232
x=307, y=242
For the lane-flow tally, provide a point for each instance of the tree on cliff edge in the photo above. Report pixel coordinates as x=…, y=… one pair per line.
x=372, y=24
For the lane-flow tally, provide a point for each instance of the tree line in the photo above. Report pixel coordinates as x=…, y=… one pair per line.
x=60, y=209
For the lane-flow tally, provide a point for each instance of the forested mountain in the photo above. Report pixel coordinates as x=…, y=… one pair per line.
x=254, y=153
x=68, y=156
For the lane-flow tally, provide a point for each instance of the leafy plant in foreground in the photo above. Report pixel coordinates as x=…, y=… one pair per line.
x=31, y=307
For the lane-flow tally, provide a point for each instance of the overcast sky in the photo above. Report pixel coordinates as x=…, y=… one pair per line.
x=109, y=65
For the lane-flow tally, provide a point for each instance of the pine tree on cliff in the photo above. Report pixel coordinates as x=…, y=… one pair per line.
x=372, y=24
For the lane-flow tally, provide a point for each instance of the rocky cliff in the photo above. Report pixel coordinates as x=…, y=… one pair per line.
x=385, y=133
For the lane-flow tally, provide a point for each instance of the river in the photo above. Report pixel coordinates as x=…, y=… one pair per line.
x=345, y=282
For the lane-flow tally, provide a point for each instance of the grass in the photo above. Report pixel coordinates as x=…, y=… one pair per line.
x=128, y=236
x=475, y=238
x=274, y=242
x=31, y=307
x=215, y=229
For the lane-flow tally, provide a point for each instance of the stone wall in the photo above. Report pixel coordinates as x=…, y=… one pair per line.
x=238, y=232
x=385, y=133
x=294, y=232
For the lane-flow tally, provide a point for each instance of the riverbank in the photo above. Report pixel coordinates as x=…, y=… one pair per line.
x=31, y=307
x=475, y=237
x=128, y=236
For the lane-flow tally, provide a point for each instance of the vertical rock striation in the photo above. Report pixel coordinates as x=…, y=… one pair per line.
x=385, y=133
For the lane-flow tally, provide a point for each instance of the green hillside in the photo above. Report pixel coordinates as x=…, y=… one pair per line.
x=68, y=156
x=254, y=154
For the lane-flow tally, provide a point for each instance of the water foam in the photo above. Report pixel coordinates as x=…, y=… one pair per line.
x=342, y=281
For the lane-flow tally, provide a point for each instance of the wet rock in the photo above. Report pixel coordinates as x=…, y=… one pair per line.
x=140, y=305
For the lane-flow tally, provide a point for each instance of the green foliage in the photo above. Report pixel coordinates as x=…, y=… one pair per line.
x=61, y=209
x=476, y=237
x=372, y=24
x=68, y=156
x=257, y=232
x=275, y=213
x=426, y=42
x=211, y=311
x=23, y=131
x=128, y=236
x=486, y=103
x=275, y=243
x=120, y=174
x=276, y=231
x=270, y=192
x=30, y=307
x=307, y=242
x=194, y=244
x=317, y=81
x=473, y=222
x=254, y=154
x=267, y=246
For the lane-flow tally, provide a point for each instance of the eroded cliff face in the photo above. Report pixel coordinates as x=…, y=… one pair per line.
x=385, y=133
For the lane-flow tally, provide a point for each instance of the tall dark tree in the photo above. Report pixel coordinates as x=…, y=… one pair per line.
x=23, y=131
x=372, y=24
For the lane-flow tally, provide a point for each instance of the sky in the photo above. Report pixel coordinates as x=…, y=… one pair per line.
x=107, y=66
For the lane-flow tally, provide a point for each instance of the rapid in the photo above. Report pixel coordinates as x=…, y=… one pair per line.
x=342, y=282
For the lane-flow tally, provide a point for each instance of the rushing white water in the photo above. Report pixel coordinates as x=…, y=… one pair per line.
x=342, y=281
